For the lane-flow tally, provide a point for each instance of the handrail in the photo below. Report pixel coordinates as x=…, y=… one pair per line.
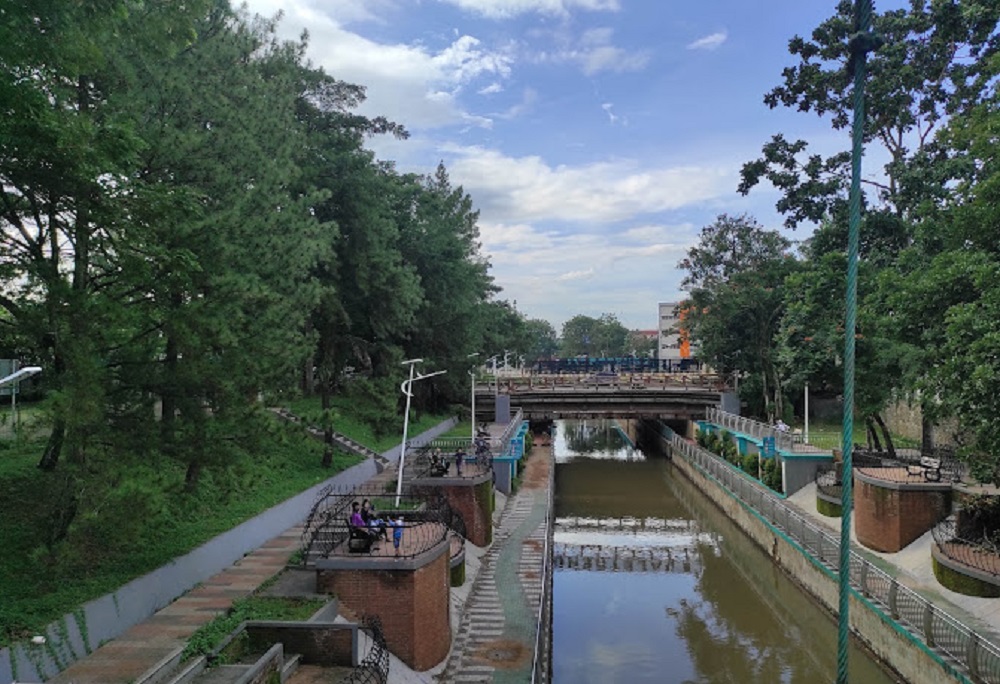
x=755, y=428
x=540, y=665
x=939, y=631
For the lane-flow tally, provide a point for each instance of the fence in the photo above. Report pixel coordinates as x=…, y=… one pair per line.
x=981, y=555
x=926, y=623
x=374, y=668
x=542, y=661
x=427, y=519
x=754, y=428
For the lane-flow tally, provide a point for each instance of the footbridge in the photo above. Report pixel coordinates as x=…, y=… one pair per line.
x=598, y=558
x=606, y=395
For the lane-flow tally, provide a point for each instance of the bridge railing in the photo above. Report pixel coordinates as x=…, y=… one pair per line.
x=748, y=426
x=922, y=619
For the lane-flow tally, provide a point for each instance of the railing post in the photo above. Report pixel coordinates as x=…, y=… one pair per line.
x=863, y=579
x=972, y=655
x=929, y=624
x=893, y=607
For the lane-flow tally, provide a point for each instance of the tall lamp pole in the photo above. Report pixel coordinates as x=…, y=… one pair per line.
x=472, y=375
x=407, y=388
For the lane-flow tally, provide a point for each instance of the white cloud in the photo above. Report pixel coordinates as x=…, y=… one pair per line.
x=411, y=84
x=709, y=42
x=555, y=275
x=491, y=89
x=595, y=53
x=503, y=9
x=523, y=189
x=612, y=117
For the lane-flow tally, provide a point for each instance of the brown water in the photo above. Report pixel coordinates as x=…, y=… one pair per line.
x=652, y=583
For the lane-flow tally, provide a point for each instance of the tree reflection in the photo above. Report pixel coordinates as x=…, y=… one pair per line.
x=586, y=437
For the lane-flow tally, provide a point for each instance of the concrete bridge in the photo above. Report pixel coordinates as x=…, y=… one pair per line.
x=658, y=396
x=598, y=558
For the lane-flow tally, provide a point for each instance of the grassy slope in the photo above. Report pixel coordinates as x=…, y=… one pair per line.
x=826, y=435
x=146, y=526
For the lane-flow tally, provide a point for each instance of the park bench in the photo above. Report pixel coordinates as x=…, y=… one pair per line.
x=360, y=539
x=929, y=467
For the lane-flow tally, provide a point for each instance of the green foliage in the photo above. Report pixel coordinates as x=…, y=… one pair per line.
x=139, y=520
x=602, y=337
x=207, y=637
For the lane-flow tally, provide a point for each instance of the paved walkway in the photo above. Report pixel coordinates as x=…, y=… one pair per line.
x=126, y=658
x=496, y=635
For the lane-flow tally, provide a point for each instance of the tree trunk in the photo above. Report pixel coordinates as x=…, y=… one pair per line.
x=327, y=425
x=53, y=447
x=192, y=474
x=889, y=446
x=926, y=435
x=873, y=441
x=168, y=395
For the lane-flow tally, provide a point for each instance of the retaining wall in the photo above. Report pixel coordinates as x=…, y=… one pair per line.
x=887, y=641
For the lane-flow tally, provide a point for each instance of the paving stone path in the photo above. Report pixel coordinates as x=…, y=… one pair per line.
x=496, y=637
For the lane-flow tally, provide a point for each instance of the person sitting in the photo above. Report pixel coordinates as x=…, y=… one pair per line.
x=359, y=529
x=438, y=466
x=781, y=426
x=372, y=519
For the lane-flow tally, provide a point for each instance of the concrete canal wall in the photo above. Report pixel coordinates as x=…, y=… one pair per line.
x=886, y=639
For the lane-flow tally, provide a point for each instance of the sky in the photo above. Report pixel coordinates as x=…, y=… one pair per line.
x=595, y=137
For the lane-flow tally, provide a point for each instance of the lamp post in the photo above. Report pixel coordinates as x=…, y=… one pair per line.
x=16, y=377
x=472, y=375
x=407, y=388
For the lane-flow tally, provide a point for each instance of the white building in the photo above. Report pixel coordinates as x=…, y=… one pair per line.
x=673, y=343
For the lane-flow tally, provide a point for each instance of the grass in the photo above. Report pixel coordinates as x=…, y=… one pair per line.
x=133, y=525
x=346, y=422
x=826, y=434
x=208, y=637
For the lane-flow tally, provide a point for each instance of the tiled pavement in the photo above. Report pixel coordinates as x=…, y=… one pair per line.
x=496, y=636
x=126, y=658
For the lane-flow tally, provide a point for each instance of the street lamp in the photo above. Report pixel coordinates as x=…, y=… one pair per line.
x=15, y=377
x=407, y=388
x=472, y=374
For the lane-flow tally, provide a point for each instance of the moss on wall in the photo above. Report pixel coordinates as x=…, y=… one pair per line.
x=827, y=508
x=963, y=584
x=458, y=575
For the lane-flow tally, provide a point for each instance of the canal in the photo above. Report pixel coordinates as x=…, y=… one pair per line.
x=652, y=583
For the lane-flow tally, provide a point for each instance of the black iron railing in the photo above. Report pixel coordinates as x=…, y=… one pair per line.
x=432, y=461
x=978, y=554
x=403, y=528
x=374, y=668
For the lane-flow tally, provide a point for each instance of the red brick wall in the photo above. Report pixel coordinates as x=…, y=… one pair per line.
x=473, y=503
x=888, y=520
x=413, y=606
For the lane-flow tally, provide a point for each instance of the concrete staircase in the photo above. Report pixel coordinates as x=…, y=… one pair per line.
x=343, y=441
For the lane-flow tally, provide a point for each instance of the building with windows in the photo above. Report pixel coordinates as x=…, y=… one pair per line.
x=673, y=343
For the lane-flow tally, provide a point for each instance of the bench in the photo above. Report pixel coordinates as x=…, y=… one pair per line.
x=929, y=467
x=360, y=539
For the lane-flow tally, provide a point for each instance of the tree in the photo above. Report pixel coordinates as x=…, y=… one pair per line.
x=736, y=274
x=544, y=341
x=601, y=337
x=934, y=64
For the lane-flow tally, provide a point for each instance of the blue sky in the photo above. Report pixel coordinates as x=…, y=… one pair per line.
x=596, y=137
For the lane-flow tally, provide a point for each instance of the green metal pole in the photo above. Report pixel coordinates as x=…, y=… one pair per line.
x=861, y=43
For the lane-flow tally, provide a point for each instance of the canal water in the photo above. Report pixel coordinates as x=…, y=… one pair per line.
x=652, y=583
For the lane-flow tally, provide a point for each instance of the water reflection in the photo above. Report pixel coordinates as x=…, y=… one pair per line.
x=654, y=584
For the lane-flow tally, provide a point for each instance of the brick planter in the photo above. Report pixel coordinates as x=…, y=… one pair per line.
x=410, y=596
x=472, y=498
x=891, y=512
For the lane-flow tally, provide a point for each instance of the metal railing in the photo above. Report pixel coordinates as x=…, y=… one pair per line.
x=426, y=522
x=542, y=659
x=925, y=622
x=431, y=461
x=500, y=445
x=374, y=668
x=754, y=428
x=982, y=555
